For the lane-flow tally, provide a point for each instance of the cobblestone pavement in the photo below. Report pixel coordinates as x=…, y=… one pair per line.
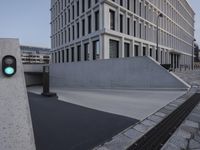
x=187, y=137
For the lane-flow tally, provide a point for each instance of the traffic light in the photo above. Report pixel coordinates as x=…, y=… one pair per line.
x=9, y=64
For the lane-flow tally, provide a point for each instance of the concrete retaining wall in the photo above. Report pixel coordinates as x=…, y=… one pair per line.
x=16, y=131
x=134, y=73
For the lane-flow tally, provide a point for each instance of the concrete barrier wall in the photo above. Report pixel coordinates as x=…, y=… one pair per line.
x=33, y=67
x=16, y=131
x=134, y=73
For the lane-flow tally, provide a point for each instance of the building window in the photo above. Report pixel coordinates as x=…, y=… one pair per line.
x=121, y=2
x=77, y=8
x=89, y=25
x=151, y=52
x=128, y=4
x=73, y=32
x=140, y=30
x=128, y=26
x=67, y=55
x=134, y=30
x=63, y=56
x=79, y=53
x=72, y=11
x=69, y=34
x=89, y=4
x=96, y=50
x=112, y=20
x=134, y=3
x=83, y=27
x=72, y=54
x=121, y=23
x=96, y=20
x=69, y=16
x=55, y=57
x=86, y=52
x=77, y=26
x=114, y=49
x=140, y=9
x=144, y=51
x=136, y=49
x=58, y=56
x=83, y=6
x=126, y=50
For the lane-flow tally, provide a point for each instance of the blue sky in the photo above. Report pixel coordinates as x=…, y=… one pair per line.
x=195, y=5
x=29, y=21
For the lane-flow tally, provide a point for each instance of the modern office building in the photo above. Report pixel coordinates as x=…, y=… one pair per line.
x=87, y=30
x=35, y=55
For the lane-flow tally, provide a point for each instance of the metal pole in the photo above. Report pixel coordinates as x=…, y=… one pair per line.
x=159, y=15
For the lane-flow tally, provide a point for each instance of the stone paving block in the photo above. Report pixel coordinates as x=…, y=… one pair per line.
x=191, y=124
x=170, y=146
x=194, y=144
x=179, y=141
x=119, y=142
x=194, y=117
x=163, y=110
x=133, y=134
x=160, y=114
x=168, y=107
x=174, y=104
x=148, y=123
x=154, y=118
x=183, y=133
x=141, y=128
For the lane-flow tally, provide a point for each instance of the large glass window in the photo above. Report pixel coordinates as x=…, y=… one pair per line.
x=72, y=54
x=96, y=20
x=89, y=24
x=79, y=53
x=136, y=49
x=96, y=50
x=112, y=20
x=126, y=50
x=86, y=52
x=121, y=23
x=114, y=49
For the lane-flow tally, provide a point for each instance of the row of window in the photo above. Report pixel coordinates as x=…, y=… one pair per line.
x=84, y=53
x=69, y=55
x=146, y=11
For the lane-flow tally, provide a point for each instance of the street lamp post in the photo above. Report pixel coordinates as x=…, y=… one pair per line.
x=193, y=54
x=157, y=37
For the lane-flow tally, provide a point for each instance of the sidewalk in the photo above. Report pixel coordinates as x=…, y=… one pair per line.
x=137, y=104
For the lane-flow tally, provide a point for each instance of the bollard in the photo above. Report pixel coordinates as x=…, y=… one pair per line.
x=46, y=92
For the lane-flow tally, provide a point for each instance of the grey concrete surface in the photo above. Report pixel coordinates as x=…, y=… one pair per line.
x=16, y=131
x=33, y=67
x=131, y=103
x=135, y=132
x=63, y=126
x=134, y=73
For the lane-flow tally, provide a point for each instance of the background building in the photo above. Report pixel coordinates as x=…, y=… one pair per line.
x=83, y=30
x=34, y=55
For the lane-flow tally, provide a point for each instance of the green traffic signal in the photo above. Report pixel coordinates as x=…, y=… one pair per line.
x=9, y=70
x=9, y=65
